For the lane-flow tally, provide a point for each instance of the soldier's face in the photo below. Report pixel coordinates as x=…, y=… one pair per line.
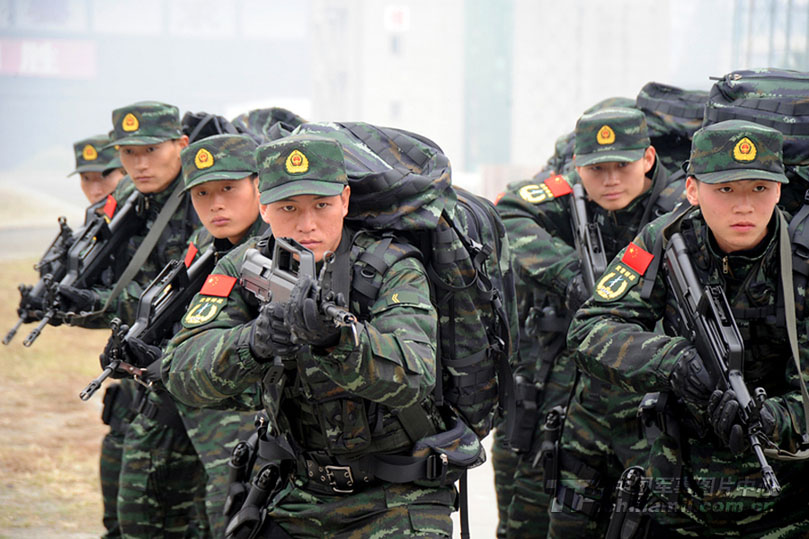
x=96, y=186
x=736, y=212
x=227, y=208
x=613, y=185
x=152, y=167
x=315, y=222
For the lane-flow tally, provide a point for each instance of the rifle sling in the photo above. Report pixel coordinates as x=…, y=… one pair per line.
x=145, y=248
x=785, y=254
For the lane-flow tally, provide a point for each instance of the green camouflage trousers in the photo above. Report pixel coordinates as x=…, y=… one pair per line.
x=117, y=414
x=388, y=510
x=504, y=462
x=600, y=432
x=213, y=434
x=162, y=483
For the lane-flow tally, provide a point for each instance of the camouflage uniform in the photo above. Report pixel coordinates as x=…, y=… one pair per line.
x=336, y=407
x=707, y=490
x=537, y=218
x=137, y=513
x=213, y=433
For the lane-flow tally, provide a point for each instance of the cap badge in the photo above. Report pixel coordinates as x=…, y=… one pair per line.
x=605, y=135
x=297, y=163
x=203, y=159
x=89, y=153
x=130, y=123
x=744, y=150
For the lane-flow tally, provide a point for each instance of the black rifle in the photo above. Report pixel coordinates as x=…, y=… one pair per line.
x=707, y=321
x=273, y=281
x=88, y=257
x=51, y=267
x=160, y=306
x=587, y=237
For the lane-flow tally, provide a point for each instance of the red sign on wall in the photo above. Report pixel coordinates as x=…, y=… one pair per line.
x=50, y=58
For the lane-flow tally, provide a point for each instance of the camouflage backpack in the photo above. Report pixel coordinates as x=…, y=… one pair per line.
x=401, y=188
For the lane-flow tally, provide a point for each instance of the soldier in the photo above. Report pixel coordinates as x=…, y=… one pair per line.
x=221, y=174
x=149, y=140
x=333, y=413
x=99, y=167
x=626, y=187
x=705, y=479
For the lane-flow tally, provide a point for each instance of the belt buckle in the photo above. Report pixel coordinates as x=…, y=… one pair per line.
x=340, y=479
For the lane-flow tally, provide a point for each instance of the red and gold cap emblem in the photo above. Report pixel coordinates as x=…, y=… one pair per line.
x=89, y=153
x=744, y=150
x=130, y=123
x=297, y=163
x=605, y=135
x=203, y=159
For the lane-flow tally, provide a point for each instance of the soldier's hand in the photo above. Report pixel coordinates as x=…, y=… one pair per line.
x=141, y=354
x=691, y=380
x=77, y=299
x=308, y=323
x=270, y=336
x=723, y=413
x=576, y=293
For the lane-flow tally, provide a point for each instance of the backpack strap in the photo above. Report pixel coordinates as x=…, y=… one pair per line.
x=657, y=249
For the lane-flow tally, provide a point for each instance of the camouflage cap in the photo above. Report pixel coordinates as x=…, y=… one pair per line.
x=94, y=154
x=220, y=157
x=114, y=163
x=300, y=165
x=145, y=122
x=614, y=134
x=736, y=150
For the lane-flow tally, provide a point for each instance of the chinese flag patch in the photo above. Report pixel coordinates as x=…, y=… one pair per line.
x=109, y=206
x=558, y=186
x=636, y=258
x=190, y=254
x=218, y=285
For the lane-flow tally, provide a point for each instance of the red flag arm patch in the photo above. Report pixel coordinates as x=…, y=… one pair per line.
x=109, y=206
x=190, y=254
x=637, y=258
x=558, y=186
x=218, y=285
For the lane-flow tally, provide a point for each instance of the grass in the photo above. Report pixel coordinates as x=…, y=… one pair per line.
x=51, y=440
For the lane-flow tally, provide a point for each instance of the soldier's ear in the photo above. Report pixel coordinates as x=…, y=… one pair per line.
x=692, y=190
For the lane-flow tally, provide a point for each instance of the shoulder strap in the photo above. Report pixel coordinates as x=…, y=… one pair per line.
x=785, y=255
x=657, y=249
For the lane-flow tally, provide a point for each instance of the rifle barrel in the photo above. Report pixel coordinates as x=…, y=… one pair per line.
x=29, y=340
x=13, y=331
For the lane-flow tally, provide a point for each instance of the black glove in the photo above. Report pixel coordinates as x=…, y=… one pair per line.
x=270, y=336
x=140, y=354
x=691, y=380
x=31, y=308
x=723, y=411
x=576, y=293
x=308, y=323
x=106, y=356
x=77, y=300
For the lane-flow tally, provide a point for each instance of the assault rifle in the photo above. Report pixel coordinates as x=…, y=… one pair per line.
x=707, y=321
x=273, y=281
x=587, y=237
x=51, y=267
x=87, y=257
x=160, y=306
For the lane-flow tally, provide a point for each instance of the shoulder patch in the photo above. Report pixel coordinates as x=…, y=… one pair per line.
x=203, y=311
x=615, y=283
x=637, y=258
x=190, y=254
x=558, y=185
x=109, y=206
x=218, y=285
x=553, y=187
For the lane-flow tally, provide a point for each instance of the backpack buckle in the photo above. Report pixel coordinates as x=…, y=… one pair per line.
x=340, y=479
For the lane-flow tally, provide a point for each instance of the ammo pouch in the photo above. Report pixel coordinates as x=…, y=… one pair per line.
x=115, y=397
x=631, y=494
x=526, y=417
x=548, y=455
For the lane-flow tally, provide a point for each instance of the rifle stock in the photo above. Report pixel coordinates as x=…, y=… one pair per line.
x=708, y=322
